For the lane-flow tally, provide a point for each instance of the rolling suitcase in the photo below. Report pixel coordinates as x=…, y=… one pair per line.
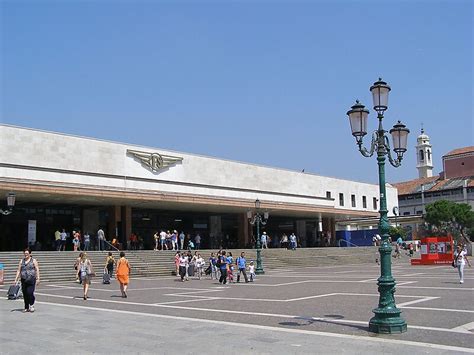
x=191, y=270
x=14, y=292
x=106, y=278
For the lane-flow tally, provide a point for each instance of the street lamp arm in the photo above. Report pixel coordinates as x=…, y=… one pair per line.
x=253, y=220
x=394, y=162
x=373, y=145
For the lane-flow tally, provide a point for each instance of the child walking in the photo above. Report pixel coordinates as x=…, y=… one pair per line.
x=252, y=271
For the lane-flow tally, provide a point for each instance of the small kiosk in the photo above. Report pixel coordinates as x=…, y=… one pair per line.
x=435, y=250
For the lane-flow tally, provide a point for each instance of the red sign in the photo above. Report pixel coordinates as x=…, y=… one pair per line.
x=435, y=250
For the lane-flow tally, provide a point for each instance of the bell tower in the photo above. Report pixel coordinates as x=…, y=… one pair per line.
x=424, y=156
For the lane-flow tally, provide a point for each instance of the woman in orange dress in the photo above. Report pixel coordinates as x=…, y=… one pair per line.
x=122, y=272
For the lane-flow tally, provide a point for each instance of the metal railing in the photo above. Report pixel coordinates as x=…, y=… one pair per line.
x=348, y=243
x=130, y=252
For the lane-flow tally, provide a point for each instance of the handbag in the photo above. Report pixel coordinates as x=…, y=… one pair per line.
x=453, y=264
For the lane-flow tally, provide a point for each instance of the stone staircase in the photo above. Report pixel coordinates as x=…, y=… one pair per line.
x=59, y=266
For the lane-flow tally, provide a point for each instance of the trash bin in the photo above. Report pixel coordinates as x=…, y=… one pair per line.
x=1, y=274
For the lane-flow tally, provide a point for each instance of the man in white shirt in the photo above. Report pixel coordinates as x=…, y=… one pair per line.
x=63, y=237
x=263, y=239
x=163, y=240
x=101, y=239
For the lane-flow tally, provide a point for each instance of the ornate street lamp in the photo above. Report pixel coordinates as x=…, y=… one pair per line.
x=10, y=203
x=387, y=316
x=257, y=217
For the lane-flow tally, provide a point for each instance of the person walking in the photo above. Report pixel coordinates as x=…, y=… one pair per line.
x=87, y=241
x=252, y=271
x=199, y=265
x=57, y=240
x=293, y=241
x=174, y=240
x=197, y=241
x=183, y=262
x=181, y=240
x=101, y=239
x=176, y=262
x=163, y=240
x=156, y=236
x=212, y=264
x=230, y=268
x=109, y=264
x=241, y=263
x=86, y=272
x=222, y=264
x=29, y=275
x=77, y=269
x=76, y=242
x=263, y=240
x=123, y=273
x=460, y=260
x=63, y=237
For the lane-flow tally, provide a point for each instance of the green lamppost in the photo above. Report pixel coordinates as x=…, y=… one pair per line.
x=387, y=316
x=257, y=218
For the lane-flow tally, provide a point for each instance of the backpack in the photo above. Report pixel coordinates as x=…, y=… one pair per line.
x=218, y=262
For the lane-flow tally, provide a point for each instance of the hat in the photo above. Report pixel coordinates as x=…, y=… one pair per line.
x=175, y=231
x=264, y=232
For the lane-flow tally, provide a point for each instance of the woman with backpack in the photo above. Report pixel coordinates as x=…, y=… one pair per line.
x=109, y=264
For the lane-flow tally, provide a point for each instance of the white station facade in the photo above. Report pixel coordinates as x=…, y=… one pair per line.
x=80, y=183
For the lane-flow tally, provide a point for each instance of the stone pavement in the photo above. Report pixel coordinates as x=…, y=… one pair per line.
x=293, y=311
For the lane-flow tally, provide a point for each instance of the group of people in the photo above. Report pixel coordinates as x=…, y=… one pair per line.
x=85, y=271
x=221, y=266
x=80, y=242
x=176, y=241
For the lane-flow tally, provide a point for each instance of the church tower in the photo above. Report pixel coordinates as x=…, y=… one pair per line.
x=424, y=157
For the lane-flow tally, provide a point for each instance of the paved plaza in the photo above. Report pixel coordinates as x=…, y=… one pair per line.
x=293, y=311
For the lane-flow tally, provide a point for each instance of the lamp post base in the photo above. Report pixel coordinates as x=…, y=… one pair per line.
x=387, y=321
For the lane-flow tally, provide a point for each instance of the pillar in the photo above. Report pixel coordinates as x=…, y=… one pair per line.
x=301, y=233
x=90, y=221
x=126, y=217
x=115, y=220
x=215, y=231
x=243, y=232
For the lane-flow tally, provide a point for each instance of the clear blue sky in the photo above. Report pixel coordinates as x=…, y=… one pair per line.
x=262, y=82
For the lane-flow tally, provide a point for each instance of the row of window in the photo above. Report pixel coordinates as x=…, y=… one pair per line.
x=430, y=194
x=353, y=200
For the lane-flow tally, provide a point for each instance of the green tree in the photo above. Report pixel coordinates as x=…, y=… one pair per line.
x=451, y=217
x=395, y=232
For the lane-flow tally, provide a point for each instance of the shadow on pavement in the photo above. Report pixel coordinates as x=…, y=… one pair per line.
x=310, y=321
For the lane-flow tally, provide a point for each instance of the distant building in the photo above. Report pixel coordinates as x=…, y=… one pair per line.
x=454, y=183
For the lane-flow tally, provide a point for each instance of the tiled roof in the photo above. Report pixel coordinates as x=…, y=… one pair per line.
x=460, y=151
x=434, y=183
x=413, y=186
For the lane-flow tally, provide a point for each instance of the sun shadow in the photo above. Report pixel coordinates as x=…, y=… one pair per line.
x=306, y=321
x=17, y=310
